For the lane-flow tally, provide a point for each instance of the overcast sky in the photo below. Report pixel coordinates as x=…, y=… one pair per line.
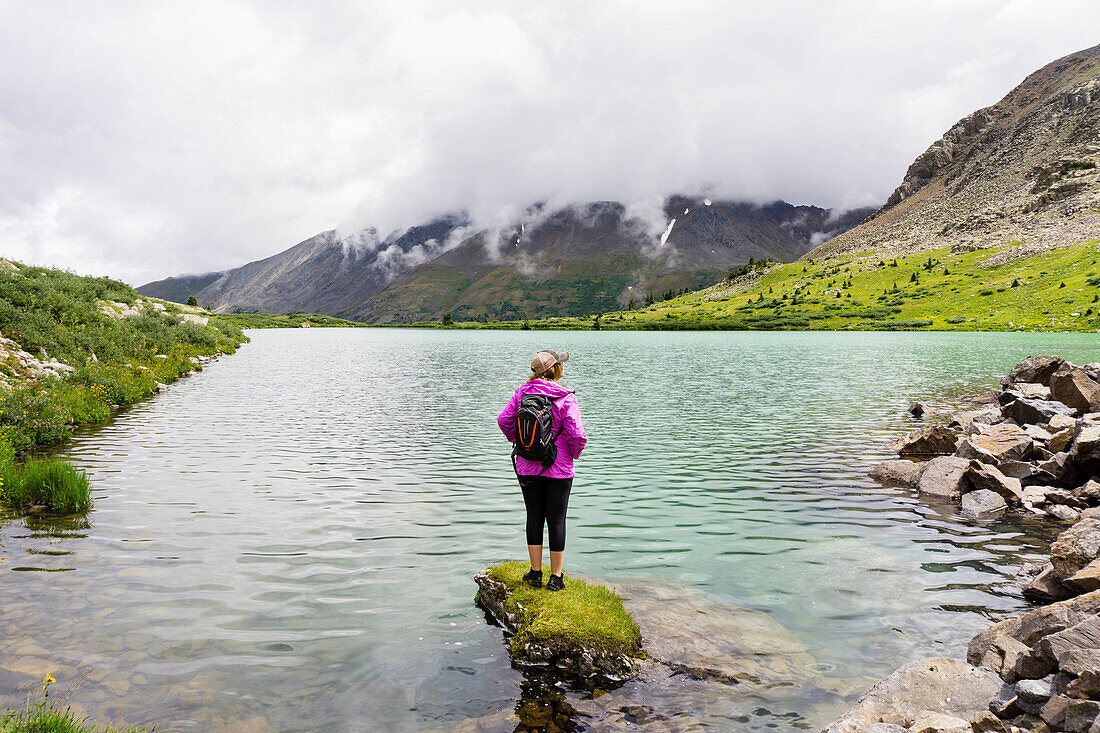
x=144, y=139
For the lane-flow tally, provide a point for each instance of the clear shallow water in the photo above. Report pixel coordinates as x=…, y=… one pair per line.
x=291, y=534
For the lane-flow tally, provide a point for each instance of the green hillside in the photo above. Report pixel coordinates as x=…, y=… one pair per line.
x=74, y=349
x=989, y=289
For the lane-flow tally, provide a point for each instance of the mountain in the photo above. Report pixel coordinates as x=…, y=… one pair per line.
x=1023, y=172
x=566, y=261
x=179, y=289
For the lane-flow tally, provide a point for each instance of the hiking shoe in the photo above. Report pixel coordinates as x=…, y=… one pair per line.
x=556, y=582
x=533, y=578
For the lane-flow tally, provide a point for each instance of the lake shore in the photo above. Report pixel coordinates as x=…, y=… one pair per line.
x=1032, y=445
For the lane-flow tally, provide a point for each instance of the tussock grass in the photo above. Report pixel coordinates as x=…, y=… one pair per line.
x=582, y=613
x=55, y=484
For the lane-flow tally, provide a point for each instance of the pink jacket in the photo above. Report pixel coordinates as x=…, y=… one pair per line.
x=567, y=426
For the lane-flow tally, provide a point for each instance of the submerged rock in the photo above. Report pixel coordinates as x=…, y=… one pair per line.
x=709, y=640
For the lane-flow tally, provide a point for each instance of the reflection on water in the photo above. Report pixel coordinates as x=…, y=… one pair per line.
x=289, y=538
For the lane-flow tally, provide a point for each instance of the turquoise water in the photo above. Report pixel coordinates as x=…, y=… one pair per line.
x=291, y=534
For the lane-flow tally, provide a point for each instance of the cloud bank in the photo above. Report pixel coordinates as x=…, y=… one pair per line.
x=140, y=140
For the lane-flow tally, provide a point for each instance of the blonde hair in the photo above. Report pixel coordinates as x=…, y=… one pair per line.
x=552, y=374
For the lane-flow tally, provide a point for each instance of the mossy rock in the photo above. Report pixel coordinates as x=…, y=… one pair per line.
x=583, y=631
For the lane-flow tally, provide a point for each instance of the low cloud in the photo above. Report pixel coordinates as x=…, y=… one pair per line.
x=157, y=138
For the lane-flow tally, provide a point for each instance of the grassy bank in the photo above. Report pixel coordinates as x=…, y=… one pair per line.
x=294, y=320
x=111, y=346
x=581, y=615
x=982, y=290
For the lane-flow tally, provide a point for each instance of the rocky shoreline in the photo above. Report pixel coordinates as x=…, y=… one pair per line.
x=1034, y=446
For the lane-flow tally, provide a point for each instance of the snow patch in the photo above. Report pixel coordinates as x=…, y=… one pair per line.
x=664, y=237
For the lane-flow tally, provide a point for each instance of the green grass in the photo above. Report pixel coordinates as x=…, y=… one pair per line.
x=54, y=721
x=1058, y=290
x=116, y=361
x=294, y=320
x=582, y=613
x=60, y=487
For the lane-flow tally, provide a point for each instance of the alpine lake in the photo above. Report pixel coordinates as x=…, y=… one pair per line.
x=287, y=540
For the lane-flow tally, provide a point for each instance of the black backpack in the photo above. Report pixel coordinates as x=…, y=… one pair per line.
x=535, y=439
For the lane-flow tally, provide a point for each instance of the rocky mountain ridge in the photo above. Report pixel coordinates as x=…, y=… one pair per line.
x=579, y=259
x=1024, y=172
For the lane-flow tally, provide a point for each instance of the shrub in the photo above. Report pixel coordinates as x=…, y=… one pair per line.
x=55, y=484
x=956, y=319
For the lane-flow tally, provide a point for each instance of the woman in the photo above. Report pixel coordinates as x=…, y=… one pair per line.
x=546, y=487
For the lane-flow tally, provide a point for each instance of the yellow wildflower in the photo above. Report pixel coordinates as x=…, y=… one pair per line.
x=49, y=679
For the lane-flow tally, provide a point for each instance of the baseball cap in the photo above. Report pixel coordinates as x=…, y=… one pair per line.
x=546, y=359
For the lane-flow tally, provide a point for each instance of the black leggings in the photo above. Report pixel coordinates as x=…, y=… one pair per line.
x=546, y=499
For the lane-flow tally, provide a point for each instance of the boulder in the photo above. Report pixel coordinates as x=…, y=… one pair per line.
x=1002, y=655
x=936, y=440
x=1003, y=442
x=1003, y=703
x=1086, y=449
x=1061, y=422
x=1033, y=496
x=1032, y=695
x=1058, y=647
x=983, y=504
x=920, y=409
x=988, y=723
x=1088, y=492
x=1078, y=546
x=1038, y=434
x=981, y=477
x=1080, y=715
x=1036, y=369
x=941, y=685
x=1055, y=495
x=897, y=472
x=1032, y=390
x=1053, y=711
x=969, y=421
x=944, y=478
x=932, y=722
x=1062, y=512
x=1060, y=440
x=1075, y=387
x=887, y=728
x=1027, y=473
x=1044, y=588
x=988, y=397
x=1032, y=626
x=1086, y=579
x=1029, y=411
x=1062, y=466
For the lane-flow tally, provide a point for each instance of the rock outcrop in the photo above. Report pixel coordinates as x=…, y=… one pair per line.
x=1025, y=170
